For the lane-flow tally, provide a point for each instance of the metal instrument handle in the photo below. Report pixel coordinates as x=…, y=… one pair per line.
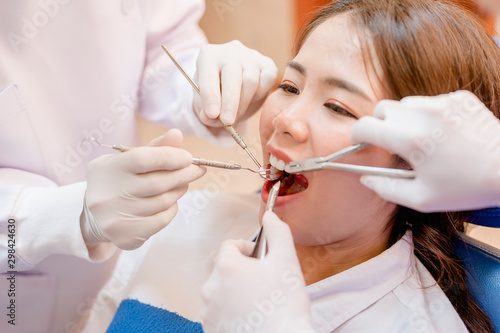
x=260, y=249
x=216, y=164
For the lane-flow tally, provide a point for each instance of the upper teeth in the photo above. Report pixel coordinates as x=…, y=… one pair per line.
x=275, y=162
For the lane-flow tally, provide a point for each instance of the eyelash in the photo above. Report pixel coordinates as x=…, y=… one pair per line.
x=340, y=110
x=335, y=108
x=287, y=88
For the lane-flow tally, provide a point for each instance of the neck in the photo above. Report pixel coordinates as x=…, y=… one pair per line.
x=322, y=261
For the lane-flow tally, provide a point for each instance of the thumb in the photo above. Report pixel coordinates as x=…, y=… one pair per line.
x=390, y=189
x=172, y=138
x=278, y=234
x=235, y=248
x=369, y=129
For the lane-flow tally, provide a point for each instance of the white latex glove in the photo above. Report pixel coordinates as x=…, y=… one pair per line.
x=233, y=80
x=131, y=196
x=452, y=142
x=245, y=294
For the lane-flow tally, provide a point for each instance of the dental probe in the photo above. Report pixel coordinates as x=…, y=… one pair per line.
x=230, y=166
x=228, y=128
x=197, y=161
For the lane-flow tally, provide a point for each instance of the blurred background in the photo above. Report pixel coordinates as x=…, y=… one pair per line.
x=270, y=27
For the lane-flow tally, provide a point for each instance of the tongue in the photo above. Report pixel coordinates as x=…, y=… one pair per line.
x=291, y=184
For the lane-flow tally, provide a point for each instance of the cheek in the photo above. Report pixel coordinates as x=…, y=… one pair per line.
x=330, y=136
x=270, y=110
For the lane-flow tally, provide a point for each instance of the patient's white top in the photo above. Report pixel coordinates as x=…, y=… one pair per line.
x=392, y=292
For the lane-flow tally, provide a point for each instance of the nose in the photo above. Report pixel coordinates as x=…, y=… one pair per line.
x=292, y=122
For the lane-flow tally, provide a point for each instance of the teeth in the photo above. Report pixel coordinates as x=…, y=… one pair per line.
x=278, y=164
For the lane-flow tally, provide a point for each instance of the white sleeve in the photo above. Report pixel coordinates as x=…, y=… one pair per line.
x=166, y=97
x=47, y=221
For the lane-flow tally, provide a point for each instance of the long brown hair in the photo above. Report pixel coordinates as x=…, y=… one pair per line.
x=427, y=47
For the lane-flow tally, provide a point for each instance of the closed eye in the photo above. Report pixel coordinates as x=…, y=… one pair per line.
x=288, y=88
x=339, y=110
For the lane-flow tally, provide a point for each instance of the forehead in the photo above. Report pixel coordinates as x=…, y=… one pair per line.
x=336, y=39
x=334, y=49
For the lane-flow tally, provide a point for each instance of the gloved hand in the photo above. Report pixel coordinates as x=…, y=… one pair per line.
x=245, y=294
x=233, y=80
x=132, y=195
x=452, y=142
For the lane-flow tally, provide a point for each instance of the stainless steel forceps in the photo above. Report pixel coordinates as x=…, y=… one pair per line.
x=260, y=249
x=323, y=163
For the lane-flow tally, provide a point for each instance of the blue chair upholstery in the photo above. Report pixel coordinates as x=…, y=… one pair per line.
x=489, y=217
x=137, y=317
x=482, y=263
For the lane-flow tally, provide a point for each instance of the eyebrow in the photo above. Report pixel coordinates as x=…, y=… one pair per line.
x=332, y=81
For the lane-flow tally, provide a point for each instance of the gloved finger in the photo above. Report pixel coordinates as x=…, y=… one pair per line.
x=371, y=130
x=209, y=84
x=394, y=190
x=231, y=85
x=172, y=138
x=156, y=183
x=147, y=159
x=268, y=76
x=158, y=203
x=233, y=248
x=382, y=108
x=250, y=84
x=425, y=103
x=232, y=257
x=278, y=234
x=209, y=121
x=138, y=230
x=404, y=192
x=154, y=223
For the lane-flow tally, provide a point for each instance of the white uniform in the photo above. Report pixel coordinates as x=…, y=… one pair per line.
x=71, y=69
x=392, y=292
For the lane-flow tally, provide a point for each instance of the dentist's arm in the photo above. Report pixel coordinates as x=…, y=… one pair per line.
x=241, y=288
x=452, y=142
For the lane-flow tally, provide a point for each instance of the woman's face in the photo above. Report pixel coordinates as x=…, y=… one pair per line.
x=324, y=90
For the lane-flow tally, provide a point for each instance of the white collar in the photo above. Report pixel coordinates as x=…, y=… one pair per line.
x=340, y=297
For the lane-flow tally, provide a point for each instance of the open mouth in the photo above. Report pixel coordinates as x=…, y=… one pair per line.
x=290, y=183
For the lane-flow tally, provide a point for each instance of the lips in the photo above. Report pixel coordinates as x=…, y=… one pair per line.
x=292, y=186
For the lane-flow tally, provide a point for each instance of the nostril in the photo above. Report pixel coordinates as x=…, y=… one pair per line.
x=286, y=123
x=281, y=124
